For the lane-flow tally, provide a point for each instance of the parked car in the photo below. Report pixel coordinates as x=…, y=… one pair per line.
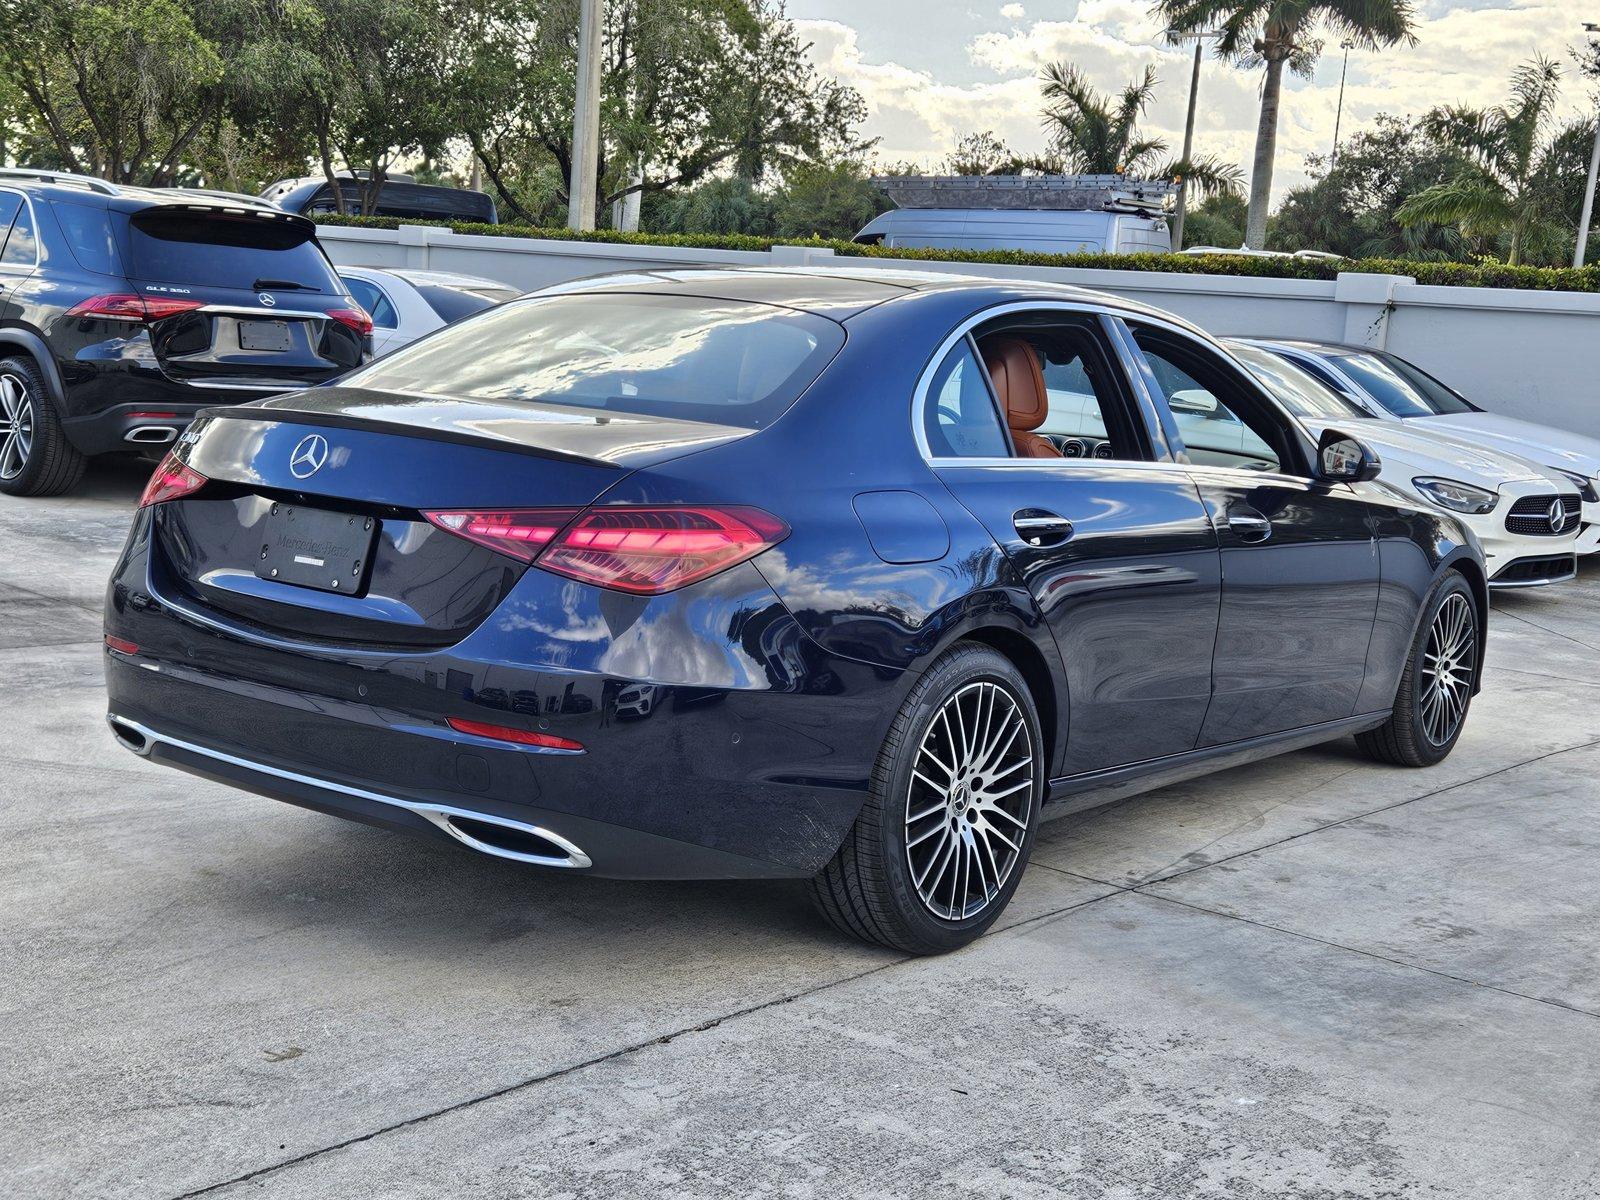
x=1526, y=521
x=406, y=304
x=124, y=311
x=883, y=625
x=398, y=196
x=1392, y=389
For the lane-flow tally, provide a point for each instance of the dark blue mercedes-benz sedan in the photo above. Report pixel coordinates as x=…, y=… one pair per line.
x=846, y=576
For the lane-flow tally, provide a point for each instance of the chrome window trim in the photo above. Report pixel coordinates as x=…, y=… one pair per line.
x=33, y=215
x=919, y=397
x=263, y=311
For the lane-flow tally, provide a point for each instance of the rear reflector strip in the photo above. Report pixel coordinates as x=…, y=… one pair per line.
x=121, y=645
x=522, y=737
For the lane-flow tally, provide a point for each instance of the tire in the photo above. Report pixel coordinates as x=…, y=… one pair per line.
x=35, y=457
x=1428, y=715
x=886, y=884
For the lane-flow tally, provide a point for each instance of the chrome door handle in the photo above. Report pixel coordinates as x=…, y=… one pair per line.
x=1251, y=526
x=1040, y=528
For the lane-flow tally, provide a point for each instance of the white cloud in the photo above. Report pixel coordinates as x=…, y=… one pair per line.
x=1464, y=56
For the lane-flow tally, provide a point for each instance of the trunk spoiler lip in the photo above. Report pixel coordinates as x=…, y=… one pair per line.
x=280, y=409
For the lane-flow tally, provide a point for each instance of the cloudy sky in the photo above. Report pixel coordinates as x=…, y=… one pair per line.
x=932, y=70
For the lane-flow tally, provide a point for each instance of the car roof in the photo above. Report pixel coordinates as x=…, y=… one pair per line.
x=842, y=292
x=1333, y=349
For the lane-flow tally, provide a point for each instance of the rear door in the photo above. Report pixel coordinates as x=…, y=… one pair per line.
x=1299, y=561
x=252, y=301
x=1116, y=547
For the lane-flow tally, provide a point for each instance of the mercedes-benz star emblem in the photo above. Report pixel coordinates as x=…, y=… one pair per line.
x=309, y=453
x=1558, y=516
x=267, y=298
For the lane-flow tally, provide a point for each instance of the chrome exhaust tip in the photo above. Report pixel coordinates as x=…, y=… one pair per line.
x=150, y=435
x=499, y=837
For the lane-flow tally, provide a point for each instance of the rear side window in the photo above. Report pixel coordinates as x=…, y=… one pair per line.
x=692, y=358
x=22, y=244
x=451, y=304
x=88, y=232
x=200, y=250
x=960, y=418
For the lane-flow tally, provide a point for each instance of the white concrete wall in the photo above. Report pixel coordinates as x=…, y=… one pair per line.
x=1522, y=353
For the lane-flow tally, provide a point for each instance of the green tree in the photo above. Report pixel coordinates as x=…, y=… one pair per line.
x=727, y=205
x=828, y=201
x=1349, y=207
x=1279, y=34
x=1503, y=192
x=1218, y=221
x=1092, y=133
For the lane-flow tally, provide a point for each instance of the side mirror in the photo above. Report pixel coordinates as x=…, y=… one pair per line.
x=1194, y=402
x=1345, y=459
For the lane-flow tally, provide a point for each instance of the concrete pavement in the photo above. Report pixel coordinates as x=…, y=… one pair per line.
x=1311, y=977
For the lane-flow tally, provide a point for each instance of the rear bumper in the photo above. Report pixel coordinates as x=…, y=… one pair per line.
x=744, y=757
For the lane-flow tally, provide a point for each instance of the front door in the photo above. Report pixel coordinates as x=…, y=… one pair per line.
x=1116, y=548
x=1299, y=561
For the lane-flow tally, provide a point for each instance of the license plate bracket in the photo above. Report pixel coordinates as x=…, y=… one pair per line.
x=264, y=335
x=316, y=548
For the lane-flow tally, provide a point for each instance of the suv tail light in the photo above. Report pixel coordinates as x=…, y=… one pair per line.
x=355, y=318
x=172, y=480
x=129, y=306
x=643, y=550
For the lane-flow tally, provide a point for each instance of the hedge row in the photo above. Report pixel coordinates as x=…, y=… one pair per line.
x=1490, y=275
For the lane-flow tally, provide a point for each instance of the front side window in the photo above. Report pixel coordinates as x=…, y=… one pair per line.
x=728, y=362
x=1220, y=422
x=1400, y=387
x=960, y=419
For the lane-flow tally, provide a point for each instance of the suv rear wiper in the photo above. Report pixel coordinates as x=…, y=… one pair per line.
x=281, y=285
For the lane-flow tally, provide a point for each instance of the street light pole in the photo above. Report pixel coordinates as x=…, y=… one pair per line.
x=1338, y=116
x=582, y=186
x=1579, y=254
x=1188, y=128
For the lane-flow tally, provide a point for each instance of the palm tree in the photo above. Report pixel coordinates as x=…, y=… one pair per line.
x=1504, y=189
x=1281, y=33
x=1096, y=134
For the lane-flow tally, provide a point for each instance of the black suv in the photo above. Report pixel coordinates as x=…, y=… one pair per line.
x=125, y=311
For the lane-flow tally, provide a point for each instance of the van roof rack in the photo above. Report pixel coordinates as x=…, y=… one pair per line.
x=1063, y=193
x=67, y=178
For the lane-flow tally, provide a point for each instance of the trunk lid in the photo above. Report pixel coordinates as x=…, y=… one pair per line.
x=342, y=478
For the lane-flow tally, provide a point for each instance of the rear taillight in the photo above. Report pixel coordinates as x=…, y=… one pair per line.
x=643, y=550
x=521, y=533
x=128, y=306
x=172, y=481
x=355, y=318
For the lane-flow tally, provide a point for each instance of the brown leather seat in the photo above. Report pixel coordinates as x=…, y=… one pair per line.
x=1013, y=366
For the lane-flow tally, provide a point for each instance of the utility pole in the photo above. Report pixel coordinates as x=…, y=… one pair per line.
x=581, y=187
x=1579, y=254
x=1200, y=37
x=1338, y=117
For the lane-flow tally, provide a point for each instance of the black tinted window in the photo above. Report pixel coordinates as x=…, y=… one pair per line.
x=169, y=246
x=10, y=204
x=1402, y=388
x=696, y=359
x=88, y=232
x=22, y=245
x=452, y=303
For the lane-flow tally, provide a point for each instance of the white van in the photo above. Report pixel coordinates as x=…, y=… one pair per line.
x=1043, y=214
x=1038, y=230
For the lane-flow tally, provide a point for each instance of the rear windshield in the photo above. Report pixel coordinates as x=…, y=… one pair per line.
x=453, y=303
x=1402, y=388
x=693, y=358
x=200, y=250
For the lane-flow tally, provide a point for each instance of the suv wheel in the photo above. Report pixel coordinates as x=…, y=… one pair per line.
x=941, y=843
x=35, y=457
x=1430, y=709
